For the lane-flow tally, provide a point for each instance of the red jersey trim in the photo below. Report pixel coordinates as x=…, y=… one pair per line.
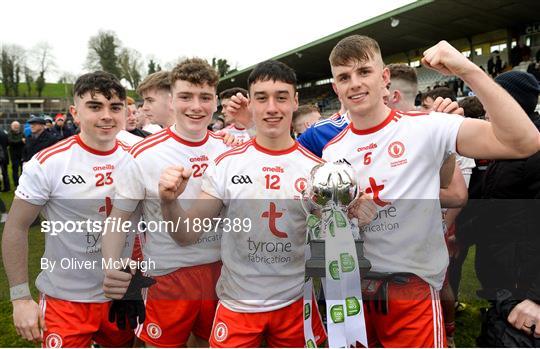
x=412, y=113
x=338, y=136
x=95, y=151
x=124, y=146
x=335, y=116
x=186, y=142
x=53, y=147
x=213, y=135
x=235, y=127
x=236, y=150
x=309, y=154
x=274, y=152
x=148, y=140
x=376, y=128
x=149, y=145
x=57, y=150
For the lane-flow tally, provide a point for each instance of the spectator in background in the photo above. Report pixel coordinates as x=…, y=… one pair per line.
x=48, y=122
x=41, y=138
x=131, y=120
x=61, y=129
x=4, y=160
x=467, y=220
x=16, y=145
x=304, y=117
x=156, y=92
x=508, y=248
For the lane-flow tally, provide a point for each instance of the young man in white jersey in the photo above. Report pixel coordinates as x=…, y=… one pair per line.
x=233, y=126
x=261, y=181
x=183, y=301
x=155, y=90
x=401, y=172
x=70, y=182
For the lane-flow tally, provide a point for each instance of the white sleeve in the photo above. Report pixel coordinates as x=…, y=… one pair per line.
x=443, y=130
x=34, y=186
x=212, y=182
x=130, y=189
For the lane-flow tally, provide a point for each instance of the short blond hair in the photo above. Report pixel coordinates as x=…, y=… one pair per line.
x=157, y=81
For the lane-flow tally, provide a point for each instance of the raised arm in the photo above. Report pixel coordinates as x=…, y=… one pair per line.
x=511, y=134
x=172, y=183
x=27, y=316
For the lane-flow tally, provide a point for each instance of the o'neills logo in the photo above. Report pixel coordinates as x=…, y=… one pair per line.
x=103, y=168
x=153, y=330
x=199, y=159
x=277, y=169
x=53, y=341
x=367, y=147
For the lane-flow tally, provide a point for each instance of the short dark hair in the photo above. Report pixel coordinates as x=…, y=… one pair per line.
x=228, y=93
x=354, y=48
x=472, y=107
x=443, y=92
x=99, y=82
x=272, y=70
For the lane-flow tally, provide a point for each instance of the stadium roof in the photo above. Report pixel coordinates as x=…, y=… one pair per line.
x=421, y=24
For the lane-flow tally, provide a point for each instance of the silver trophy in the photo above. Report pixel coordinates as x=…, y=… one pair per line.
x=331, y=186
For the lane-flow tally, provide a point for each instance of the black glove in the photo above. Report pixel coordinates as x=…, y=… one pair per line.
x=131, y=306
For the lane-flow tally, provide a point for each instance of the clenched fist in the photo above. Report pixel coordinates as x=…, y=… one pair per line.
x=173, y=182
x=445, y=59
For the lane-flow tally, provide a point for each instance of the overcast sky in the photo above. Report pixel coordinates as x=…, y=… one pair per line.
x=242, y=31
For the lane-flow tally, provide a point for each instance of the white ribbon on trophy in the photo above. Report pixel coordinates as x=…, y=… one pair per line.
x=332, y=186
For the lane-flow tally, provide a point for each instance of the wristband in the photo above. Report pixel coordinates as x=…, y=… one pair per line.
x=19, y=291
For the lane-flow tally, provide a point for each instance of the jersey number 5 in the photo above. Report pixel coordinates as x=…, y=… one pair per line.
x=104, y=179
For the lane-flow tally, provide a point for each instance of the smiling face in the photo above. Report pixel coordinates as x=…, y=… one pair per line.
x=193, y=107
x=100, y=119
x=361, y=86
x=272, y=104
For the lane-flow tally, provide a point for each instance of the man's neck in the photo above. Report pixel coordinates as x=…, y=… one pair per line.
x=100, y=146
x=189, y=136
x=370, y=119
x=280, y=143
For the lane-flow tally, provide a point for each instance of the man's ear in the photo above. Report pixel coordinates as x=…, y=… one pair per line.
x=335, y=89
x=296, y=101
x=386, y=76
x=73, y=112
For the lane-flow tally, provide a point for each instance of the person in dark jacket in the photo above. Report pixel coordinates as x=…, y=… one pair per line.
x=508, y=248
x=61, y=128
x=16, y=141
x=4, y=160
x=40, y=139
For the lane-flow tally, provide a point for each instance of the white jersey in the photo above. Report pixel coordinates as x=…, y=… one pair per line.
x=398, y=162
x=152, y=128
x=149, y=158
x=128, y=138
x=263, y=267
x=75, y=184
x=239, y=133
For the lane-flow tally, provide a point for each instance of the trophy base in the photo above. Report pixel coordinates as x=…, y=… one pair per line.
x=315, y=265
